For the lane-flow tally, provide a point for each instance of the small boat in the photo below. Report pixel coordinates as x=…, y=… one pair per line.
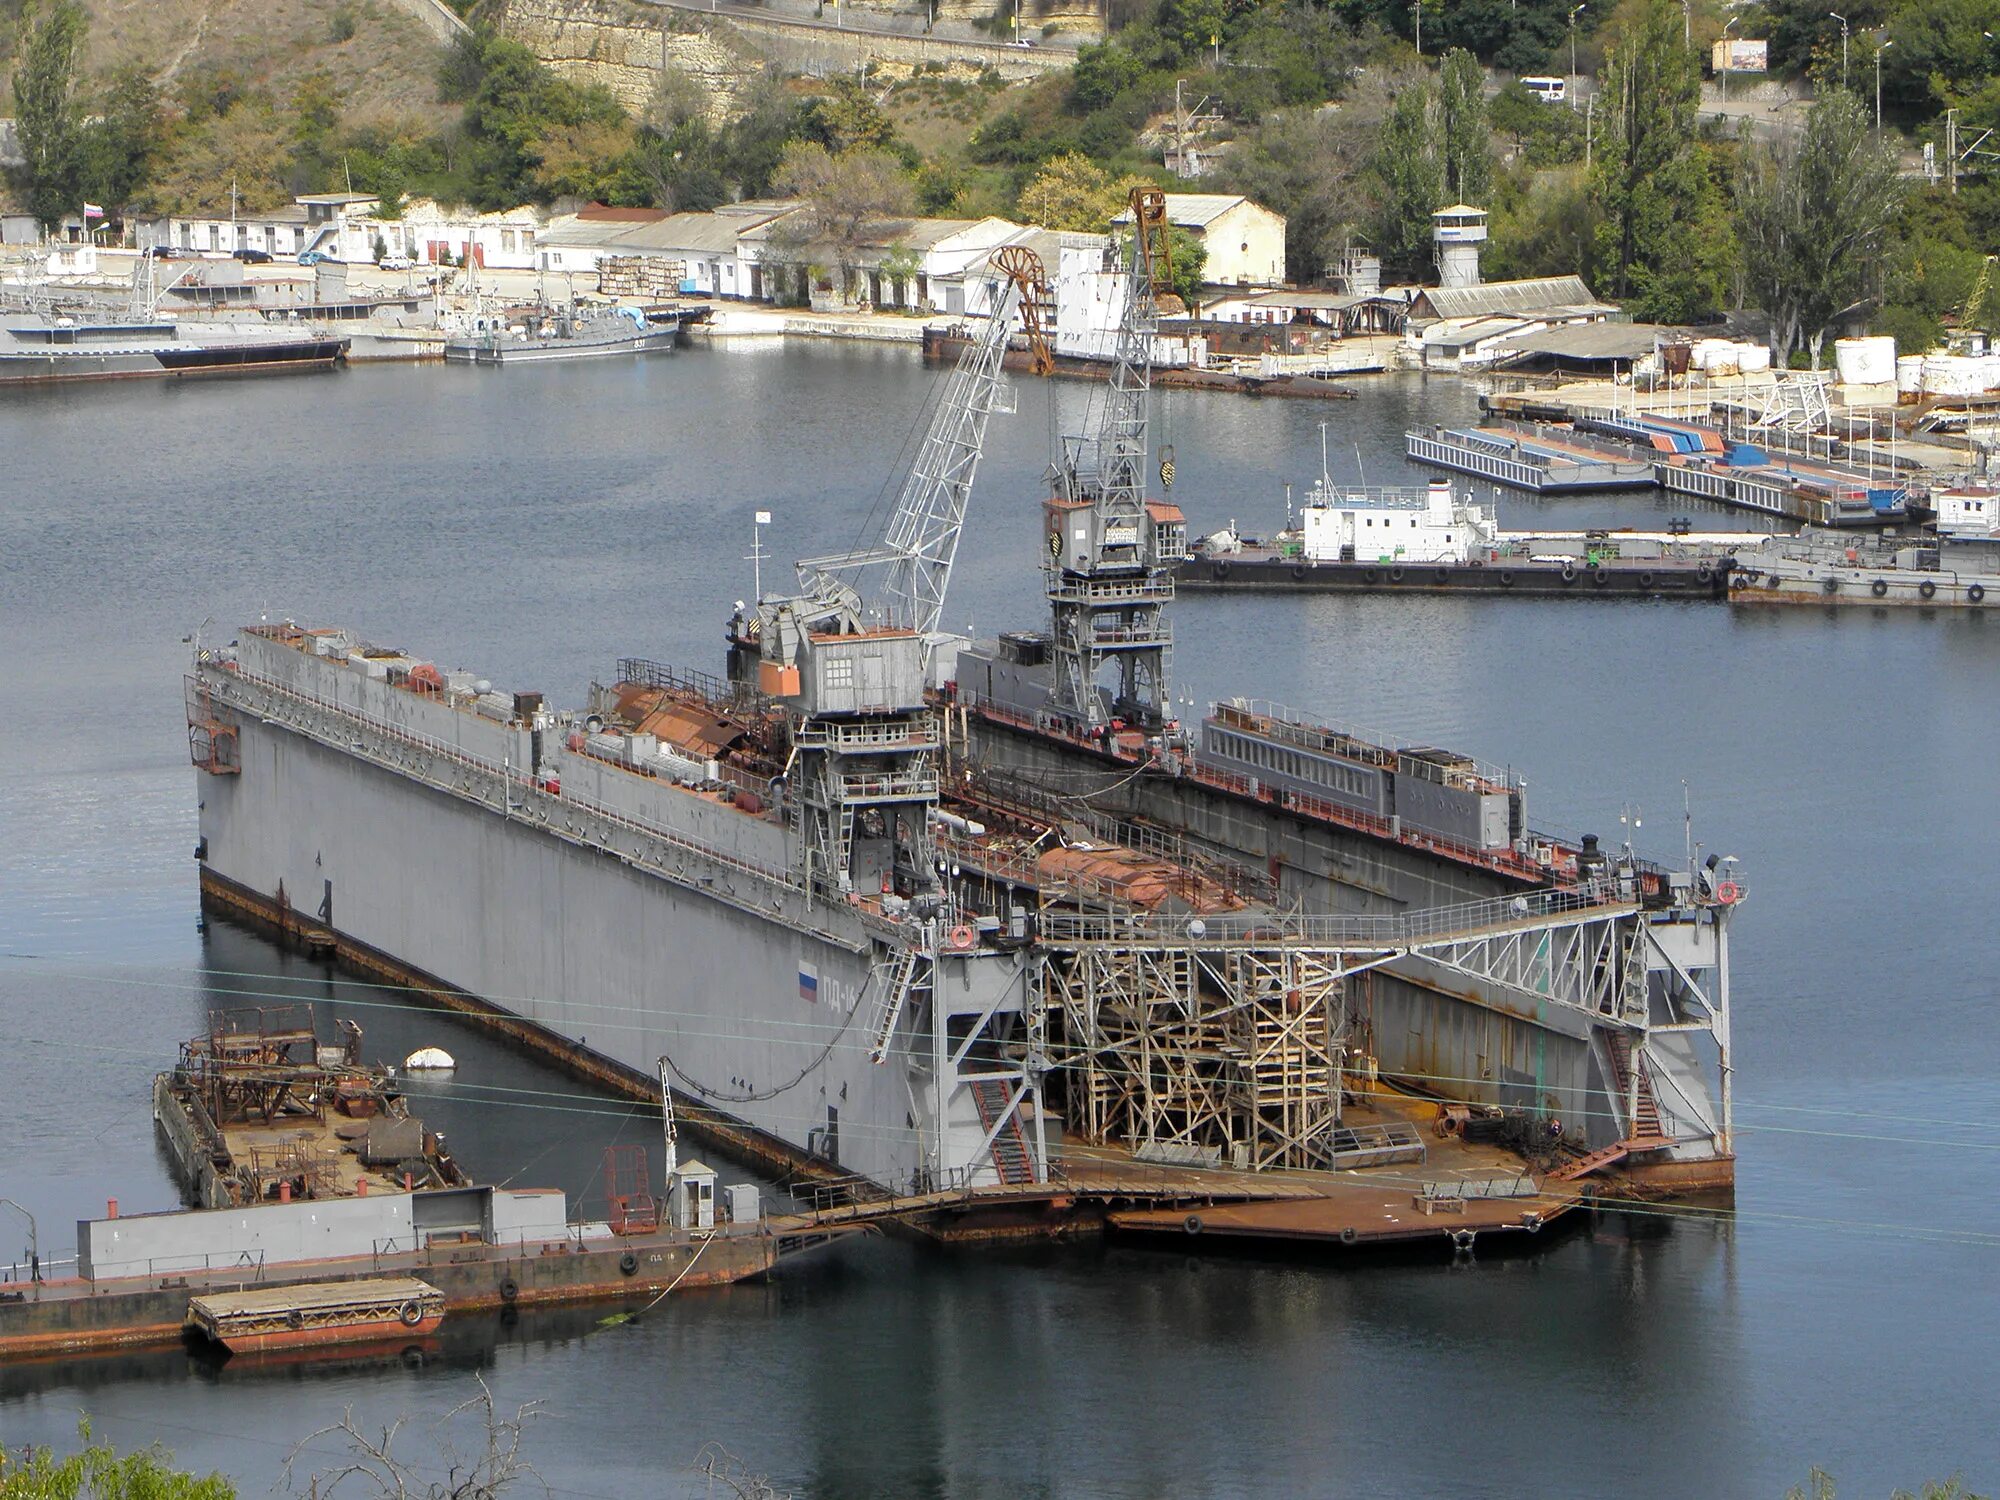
x=429, y=1060
x=1816, y=568
x=318, y=1313
x=539, y=334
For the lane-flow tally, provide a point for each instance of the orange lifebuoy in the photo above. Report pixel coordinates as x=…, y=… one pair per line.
x=962, y=936
x=1729, y=893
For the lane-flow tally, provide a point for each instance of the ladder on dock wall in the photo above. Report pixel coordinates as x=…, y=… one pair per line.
x=1011, y=1156
x=901, y=975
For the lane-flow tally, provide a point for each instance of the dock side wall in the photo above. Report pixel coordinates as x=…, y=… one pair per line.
x=624, y=964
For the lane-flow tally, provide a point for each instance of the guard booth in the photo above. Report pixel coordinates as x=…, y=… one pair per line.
x=691, y=1197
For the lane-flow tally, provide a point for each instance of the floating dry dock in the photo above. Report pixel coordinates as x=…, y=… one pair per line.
x=920, y=914
x=1213, y=959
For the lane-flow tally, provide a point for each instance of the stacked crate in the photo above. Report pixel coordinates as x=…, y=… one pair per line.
x=639, y=276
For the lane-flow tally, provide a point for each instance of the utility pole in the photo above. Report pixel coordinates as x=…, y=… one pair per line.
x=1951, y=147
x=1417, y=15
x=1572, y=54
x=1878, y=82
x=1843, y=45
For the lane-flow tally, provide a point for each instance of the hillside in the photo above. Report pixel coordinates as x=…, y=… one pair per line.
x=379, y=61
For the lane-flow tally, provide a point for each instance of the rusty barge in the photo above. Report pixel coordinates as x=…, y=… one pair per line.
x=925, y=917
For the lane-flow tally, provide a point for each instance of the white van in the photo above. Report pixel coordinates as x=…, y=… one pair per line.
x=1548, y=90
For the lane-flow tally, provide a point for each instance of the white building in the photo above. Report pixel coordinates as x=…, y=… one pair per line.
x=1393, y=526
x=1969, y=513
x=1089, y=287
x=1245, y=241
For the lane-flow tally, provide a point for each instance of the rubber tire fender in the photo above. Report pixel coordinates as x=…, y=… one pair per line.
x=1879, y=588
x=1831, y=586
x=1395, y=575
x=1645, y=580
x=628, y=1264
x=1349, y=1235
x=1299, y=572
x=1192, y=1224
x=1506, y=578
x=1218, y=571
x=1703, y=573
x=1927, y=589
x=1975, y=592
x=1371, y=575
x=411, y=1313
x=1569, y=573
x=1599, y=578
x=509, y=1289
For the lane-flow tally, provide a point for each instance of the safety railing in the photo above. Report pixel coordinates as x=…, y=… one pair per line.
x=1403, y=931
x=512, y=782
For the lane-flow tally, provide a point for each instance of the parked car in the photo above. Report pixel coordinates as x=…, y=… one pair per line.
x=395, y=262
x=253, y=257
x=313, y=257
x=171, y=252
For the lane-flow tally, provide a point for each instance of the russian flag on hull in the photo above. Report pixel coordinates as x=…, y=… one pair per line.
x=808, y=983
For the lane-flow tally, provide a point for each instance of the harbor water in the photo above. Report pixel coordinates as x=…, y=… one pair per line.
x=536, y=524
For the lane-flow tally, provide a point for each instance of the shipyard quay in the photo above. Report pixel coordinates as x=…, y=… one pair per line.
x=1253, y=1016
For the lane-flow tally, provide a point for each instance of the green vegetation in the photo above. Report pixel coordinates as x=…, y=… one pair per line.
x=98, y=1472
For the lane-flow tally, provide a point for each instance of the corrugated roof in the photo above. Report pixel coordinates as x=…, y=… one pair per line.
x=604, y=213
x=1536, y=295
x=1594, y=341
x=1194, y=210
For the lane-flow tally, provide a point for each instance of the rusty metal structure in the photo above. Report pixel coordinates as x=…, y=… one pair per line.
x=258, y=1109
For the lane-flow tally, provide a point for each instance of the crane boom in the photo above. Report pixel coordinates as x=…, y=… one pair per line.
x=1109, y=567
x=921, y=541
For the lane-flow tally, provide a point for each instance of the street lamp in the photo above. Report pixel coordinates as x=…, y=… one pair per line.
x=1843, y=45
x=1572, y=54
x=1878, y=82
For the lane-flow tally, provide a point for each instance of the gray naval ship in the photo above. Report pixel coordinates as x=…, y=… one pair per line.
x=858, y=904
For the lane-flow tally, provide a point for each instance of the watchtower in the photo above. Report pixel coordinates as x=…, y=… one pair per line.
x=1458, y=232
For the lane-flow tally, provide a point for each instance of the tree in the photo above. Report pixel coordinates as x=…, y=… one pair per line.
x=1813, y=217
x=100, y=1473
x=1664, y=239
x=46, y=115
x=1943, y=49
x=1464, y=141
x=1412, y=178
x=491, y=1464
x=842, y=196
x=1545, y=225
x=1307, y=165
x=1073, y=192
x=118, y=147
x=1187, y=260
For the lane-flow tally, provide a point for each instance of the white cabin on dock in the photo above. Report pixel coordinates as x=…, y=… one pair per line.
x=1409, y=524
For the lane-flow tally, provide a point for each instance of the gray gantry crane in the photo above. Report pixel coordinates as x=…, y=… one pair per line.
x=1111, y=552
x=853, y=663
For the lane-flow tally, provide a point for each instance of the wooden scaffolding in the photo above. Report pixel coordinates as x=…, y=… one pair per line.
x=1226, y=1054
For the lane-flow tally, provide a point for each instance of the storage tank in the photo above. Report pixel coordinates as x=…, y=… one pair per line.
x=1909, y=374
x=1869, y=361
x=1951, y=375
x=1753, y=359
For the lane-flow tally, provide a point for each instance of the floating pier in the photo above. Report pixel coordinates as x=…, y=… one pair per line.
x=1540, y=459
x=318, y=1313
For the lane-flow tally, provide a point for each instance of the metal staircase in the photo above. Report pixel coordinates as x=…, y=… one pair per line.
x=1011, y=1156
x=902, y=977
x=1644, y=1124
x=1644, y=1130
